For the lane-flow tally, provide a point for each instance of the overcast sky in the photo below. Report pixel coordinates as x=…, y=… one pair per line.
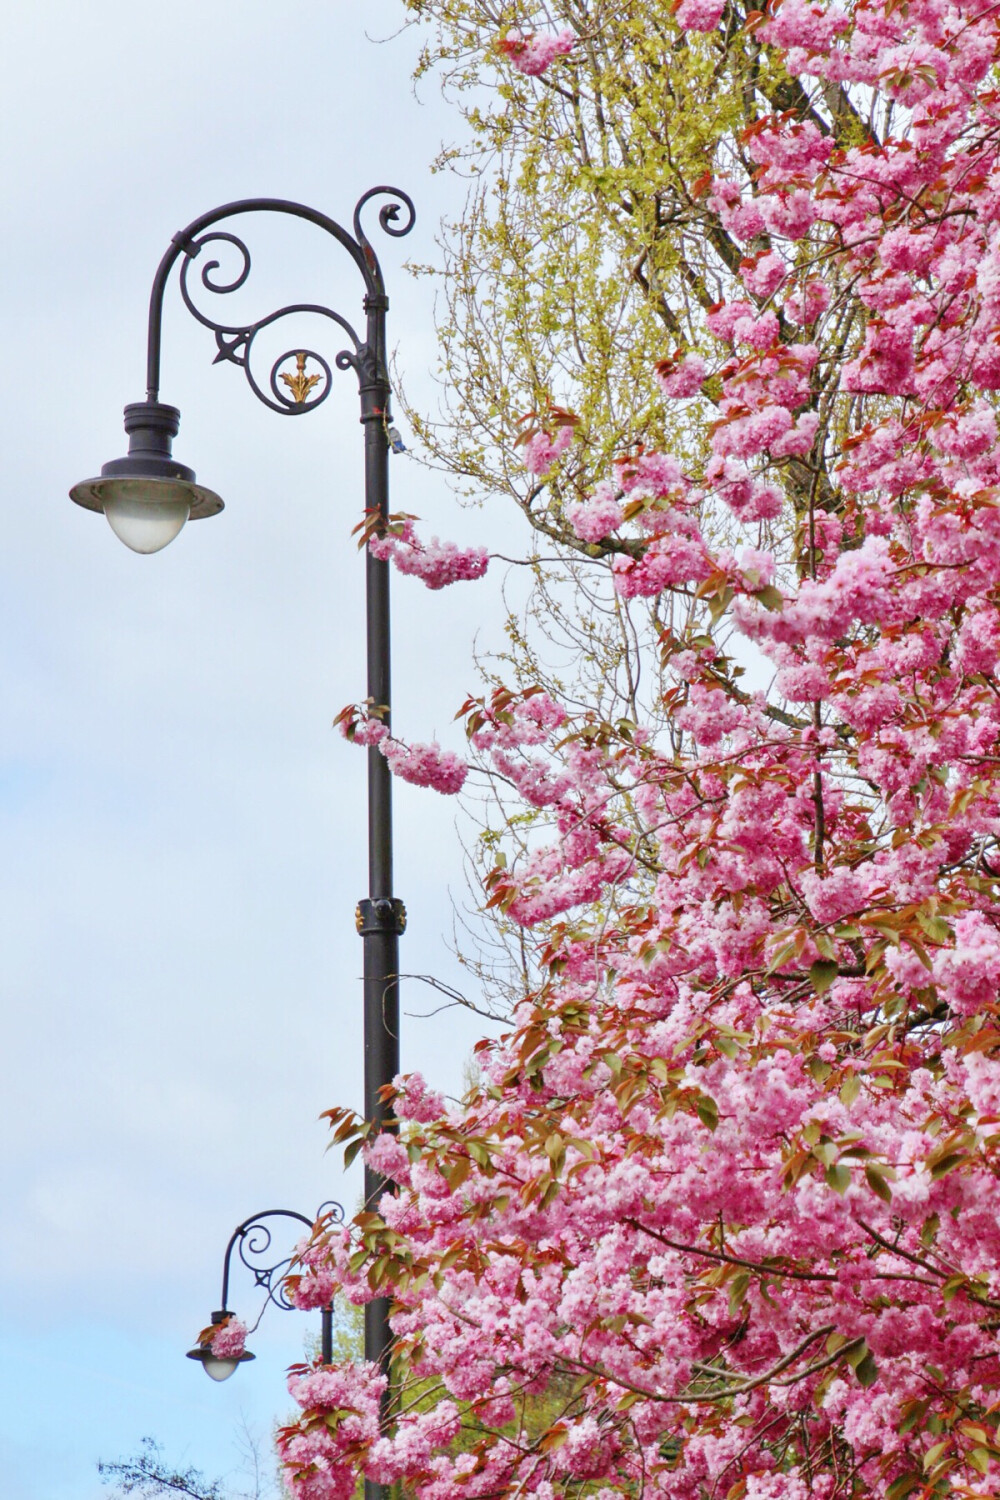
x=182, y=831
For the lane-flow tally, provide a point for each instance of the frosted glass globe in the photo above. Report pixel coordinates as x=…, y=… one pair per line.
x=219, y=1369
x=146, y=514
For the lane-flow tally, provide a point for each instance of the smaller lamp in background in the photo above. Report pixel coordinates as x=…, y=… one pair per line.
x=221, y=1347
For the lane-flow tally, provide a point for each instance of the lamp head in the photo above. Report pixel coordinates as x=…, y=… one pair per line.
x=217, y=1367
x=147, y=496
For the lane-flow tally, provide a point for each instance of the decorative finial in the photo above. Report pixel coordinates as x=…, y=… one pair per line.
x=300, y=384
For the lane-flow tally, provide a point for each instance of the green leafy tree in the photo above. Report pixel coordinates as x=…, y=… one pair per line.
x=588, y=250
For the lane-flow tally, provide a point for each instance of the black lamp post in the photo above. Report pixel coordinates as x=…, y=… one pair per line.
x=148, y=497
x=252, y=1241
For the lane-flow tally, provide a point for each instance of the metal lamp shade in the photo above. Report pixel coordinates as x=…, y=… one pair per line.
x=147, y=496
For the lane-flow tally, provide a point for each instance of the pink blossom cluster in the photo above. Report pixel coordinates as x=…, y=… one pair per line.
x=230, y=1341
x=533, y=52
x=542, y=448
x=519, y=739
x=313, y=1285
x=597, y=517
x=425, y=765
x=679, y=379
x=435, y=563
x=343, y=1407
x=822, y=1310
x=699, y=15
x=415, y=1101
x=421, y=764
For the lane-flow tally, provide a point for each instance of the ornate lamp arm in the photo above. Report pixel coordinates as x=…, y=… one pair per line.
x=254, y=1238
x=235, y=341
x=252, y=1241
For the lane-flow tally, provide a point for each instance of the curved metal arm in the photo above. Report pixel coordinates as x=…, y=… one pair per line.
x=252, y=1238
x=235, y=341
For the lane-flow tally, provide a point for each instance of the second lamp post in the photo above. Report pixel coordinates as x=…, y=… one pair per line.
x=148, y=496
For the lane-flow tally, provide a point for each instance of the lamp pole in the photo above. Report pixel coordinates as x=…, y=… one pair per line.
x=148, y=496
x=252, y=1240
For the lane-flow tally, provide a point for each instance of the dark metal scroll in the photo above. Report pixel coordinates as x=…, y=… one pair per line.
x=252, y=1242
x=234, y=341
x=387, y=214
x=287, y=392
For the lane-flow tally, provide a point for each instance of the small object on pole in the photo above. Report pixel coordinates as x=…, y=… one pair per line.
x=396, y=443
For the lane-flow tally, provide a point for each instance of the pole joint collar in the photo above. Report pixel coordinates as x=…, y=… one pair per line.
x=386, y=915
x=186, y=242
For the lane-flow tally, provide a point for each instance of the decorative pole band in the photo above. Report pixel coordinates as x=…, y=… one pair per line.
x=380, y=916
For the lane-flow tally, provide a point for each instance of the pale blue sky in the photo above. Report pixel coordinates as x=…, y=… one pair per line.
x=182, y=832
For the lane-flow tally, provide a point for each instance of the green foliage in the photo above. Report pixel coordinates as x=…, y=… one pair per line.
x=587, y=250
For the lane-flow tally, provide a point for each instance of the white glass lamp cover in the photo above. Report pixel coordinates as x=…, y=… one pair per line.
x=147, y=496
x=146, y=514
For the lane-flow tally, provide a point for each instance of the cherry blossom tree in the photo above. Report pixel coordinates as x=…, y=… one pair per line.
x=722, y=1216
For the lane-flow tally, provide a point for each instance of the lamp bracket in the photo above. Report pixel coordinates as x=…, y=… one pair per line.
x=300, y=379
x=252, y=1241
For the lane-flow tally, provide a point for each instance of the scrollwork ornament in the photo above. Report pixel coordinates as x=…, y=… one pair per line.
x=287, y=393
x=253, y=1244
x=253, y=1240
x=388, y=213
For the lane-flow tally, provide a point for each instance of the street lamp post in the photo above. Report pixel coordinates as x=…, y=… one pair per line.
x=252, y=1241
x=148, y=496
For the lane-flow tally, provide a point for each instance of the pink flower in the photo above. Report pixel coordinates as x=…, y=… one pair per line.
x=835, y=894
x=722, y=321
x=533, y=52
x=968, y=975
x=885, y=364
x=435, y=563
x=799, y=24
x=808, y=304
x=414, y=1100
x=803, y=684
x=541, y=451
x=709, y=715
x=366, y=732
x=668, y=560
x=593, y=519
x=425, y=765
x=789, y=215
x=799, y=440
x=764, y=275
x=230, y=1341
x=682, y=380
x=699, y=15
x=759, y=333
x=386, y=1155
x=977, y=647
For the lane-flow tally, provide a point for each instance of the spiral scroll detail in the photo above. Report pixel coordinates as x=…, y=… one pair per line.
x=388, y=213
